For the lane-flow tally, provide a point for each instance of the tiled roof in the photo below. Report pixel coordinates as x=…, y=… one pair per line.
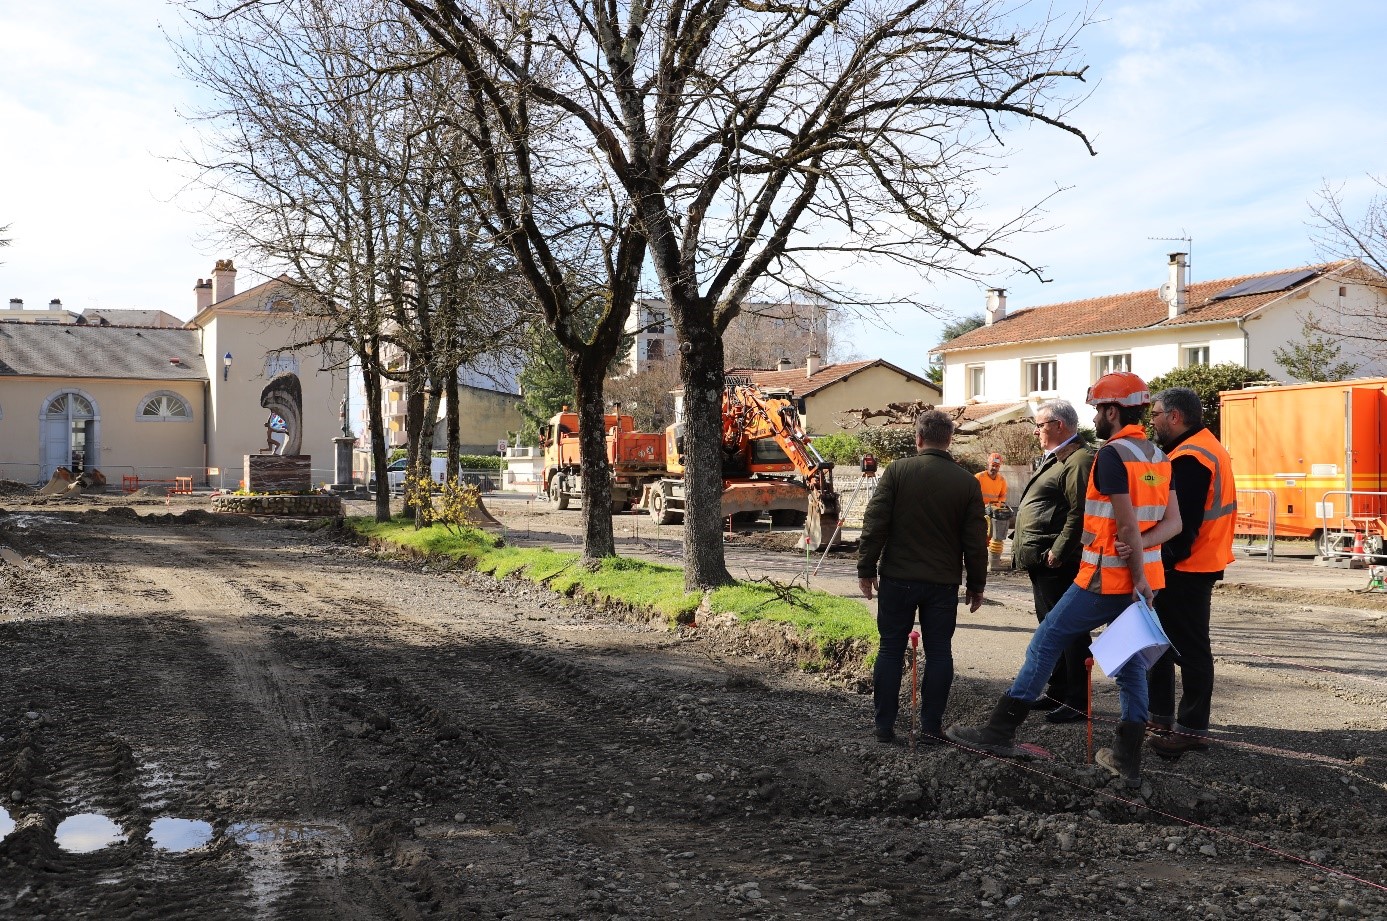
x=803, y=385
x=1119, y=312
x=126, y=352
x=976, y=412
x=131, y=317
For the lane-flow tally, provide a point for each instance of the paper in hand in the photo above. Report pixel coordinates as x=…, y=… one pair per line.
x=1136, y=632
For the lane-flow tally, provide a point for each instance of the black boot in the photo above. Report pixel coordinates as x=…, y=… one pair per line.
x=999, y=735
x=1124, y=758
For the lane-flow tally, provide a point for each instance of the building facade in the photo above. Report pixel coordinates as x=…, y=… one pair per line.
x=1059, y=350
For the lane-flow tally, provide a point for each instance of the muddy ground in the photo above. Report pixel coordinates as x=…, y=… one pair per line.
x=369, y=737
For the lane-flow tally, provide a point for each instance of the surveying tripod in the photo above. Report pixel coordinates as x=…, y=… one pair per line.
x=865, y=486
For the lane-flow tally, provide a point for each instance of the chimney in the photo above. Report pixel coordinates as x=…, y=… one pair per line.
x=223, y=280
x=203, y=291
x=16, y=303
x=811, y=366
x=55, y=305
x=1175, y=292
x=996, y=305
x=784, y=364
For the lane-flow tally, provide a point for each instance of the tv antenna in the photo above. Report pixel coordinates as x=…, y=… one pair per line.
x=1189, y=251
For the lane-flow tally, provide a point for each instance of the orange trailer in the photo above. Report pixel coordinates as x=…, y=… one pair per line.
x=1309, y=460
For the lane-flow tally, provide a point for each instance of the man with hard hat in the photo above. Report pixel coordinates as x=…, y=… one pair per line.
x=994, y=500
x=1128, y=500
x=1194, y=559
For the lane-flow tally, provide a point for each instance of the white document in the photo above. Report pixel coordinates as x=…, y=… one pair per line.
x=1136, y=632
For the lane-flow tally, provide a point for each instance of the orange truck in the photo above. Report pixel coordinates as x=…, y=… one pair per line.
x=1309, y=461
x=637, y=458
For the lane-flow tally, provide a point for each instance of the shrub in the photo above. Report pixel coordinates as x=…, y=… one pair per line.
x=889, y=442
x=1207, y=381
x=840, y=447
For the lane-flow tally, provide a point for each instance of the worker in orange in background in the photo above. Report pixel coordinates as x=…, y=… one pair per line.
x=994, y=499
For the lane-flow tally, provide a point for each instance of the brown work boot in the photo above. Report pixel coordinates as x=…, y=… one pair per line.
x=999, y=735
x=1124, y=758
x=1175, y=743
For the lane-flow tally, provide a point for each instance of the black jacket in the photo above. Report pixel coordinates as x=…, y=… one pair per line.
x=1050, y=515
x=924, y=523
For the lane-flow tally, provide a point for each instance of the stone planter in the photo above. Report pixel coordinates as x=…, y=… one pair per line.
x=312, y=506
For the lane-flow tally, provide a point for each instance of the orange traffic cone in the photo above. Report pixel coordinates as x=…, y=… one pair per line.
x=1358, y=544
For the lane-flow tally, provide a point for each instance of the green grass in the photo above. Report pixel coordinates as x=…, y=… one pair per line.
x=825, y=620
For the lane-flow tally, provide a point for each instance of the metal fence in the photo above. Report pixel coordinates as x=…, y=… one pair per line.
x=1256, y=506
x=1360, y=533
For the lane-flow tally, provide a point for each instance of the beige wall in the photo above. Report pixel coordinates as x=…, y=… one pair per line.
x=237, y=426
x=872, y=387
x=128, y=444
x=484, y=417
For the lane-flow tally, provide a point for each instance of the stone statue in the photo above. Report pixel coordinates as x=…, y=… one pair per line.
x=283, y=396
x=346, y=427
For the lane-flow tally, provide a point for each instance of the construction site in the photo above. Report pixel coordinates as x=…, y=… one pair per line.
x=230, y=716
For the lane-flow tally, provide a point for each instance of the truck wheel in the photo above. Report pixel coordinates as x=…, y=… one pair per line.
x=659, y=512
x=557, y=495
x=1325, y=543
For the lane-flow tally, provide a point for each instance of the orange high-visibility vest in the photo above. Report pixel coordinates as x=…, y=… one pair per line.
x=994, y=489
x=1148, y=483
x=1213, y=544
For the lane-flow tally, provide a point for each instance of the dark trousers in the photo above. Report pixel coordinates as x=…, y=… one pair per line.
x=1069, y=680
x=897, y=603
x=1183, y=607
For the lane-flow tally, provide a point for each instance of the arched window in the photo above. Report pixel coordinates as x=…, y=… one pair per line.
x=77, y=405
x=164, y=406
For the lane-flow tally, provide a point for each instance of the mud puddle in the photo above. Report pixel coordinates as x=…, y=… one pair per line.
x=179, y=835
x=87, y=832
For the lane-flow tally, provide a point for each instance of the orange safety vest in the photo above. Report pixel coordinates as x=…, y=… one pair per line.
x=1148, y=482
x=1213, y=544
x=994, y=489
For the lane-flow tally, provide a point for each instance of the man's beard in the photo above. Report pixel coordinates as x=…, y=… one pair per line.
x=1103, y=427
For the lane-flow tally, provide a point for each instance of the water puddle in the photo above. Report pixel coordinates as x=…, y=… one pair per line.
x=178, y=835
x=6, y=823
x=90, y=831
x=273, y=833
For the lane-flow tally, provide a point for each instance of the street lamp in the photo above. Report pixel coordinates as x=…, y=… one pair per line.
x=226, y=366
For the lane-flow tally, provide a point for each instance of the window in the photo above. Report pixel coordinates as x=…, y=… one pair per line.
x=164, y=406
x=655, y=350
x=1040, y=376
x=278, y=363
x=1195, y=355
x=658, y=319
x=1106, y=364
x=80, y=406
x=975, y=380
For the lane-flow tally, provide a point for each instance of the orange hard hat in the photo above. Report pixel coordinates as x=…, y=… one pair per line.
x=994, y=458
x=1121, y=387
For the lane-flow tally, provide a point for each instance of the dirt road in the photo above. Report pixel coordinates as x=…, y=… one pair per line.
x=373, y=738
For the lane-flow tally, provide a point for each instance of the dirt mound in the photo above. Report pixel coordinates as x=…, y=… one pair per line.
x=11, y=488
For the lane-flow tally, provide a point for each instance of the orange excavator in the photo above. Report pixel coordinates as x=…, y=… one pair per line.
x=769, y=465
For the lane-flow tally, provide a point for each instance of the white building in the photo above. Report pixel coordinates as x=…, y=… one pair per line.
x=1059, y=350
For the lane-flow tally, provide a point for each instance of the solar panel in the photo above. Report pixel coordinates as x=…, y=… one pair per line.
x=1267, y=283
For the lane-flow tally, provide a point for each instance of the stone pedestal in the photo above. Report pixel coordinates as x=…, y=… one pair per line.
x=278, y=473
x=342, y=467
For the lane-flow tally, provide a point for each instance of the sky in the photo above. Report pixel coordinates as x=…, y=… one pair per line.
x=1217, y=120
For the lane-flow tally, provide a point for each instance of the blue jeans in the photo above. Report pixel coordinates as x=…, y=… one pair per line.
x=1078, y=612
x=897, y=602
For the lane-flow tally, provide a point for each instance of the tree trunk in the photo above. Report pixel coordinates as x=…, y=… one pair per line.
x=380, y=458
x=700, y=370
x=598, y=538
x=454, y=425
x=424, y=460
x=414, y=421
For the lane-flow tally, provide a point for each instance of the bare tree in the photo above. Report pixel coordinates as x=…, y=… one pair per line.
x=326, y=157
x=1360, y=238
x=764, y=142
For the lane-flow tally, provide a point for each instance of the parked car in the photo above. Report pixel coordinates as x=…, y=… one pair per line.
x=395, y=473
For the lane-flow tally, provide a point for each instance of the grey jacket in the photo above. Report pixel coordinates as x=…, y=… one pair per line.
x=925, y=523
x=1050, y=514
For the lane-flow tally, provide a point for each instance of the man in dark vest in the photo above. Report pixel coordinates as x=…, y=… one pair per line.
x=1201, y=474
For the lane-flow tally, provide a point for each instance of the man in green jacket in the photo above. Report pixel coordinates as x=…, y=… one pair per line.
x=923, y=526
x=1049, y=541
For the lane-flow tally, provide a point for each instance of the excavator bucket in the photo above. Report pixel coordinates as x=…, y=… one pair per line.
x=482, y=518
x=62, y=478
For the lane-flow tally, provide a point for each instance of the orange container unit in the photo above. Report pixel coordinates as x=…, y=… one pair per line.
x=1309, y=459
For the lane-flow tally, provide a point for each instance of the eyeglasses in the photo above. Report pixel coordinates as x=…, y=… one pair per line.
x=1041, y=425
x=1158, y=412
